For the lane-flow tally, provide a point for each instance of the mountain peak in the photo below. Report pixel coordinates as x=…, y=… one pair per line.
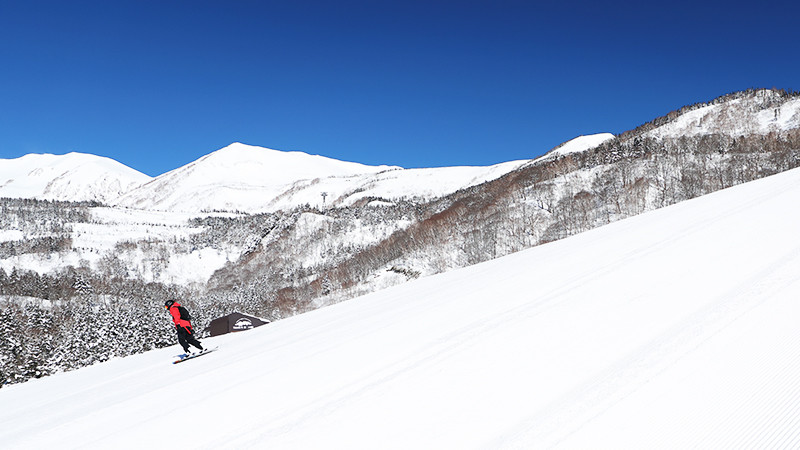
x=76, y=176
x=264, y=162
x=238, y=177
x=242, y=149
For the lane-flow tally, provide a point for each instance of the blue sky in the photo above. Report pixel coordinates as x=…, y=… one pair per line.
x=158, y=84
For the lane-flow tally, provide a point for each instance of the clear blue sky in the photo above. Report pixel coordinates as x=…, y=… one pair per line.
x=157, y=84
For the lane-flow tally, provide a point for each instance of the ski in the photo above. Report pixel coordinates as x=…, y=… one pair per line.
x=194, y=355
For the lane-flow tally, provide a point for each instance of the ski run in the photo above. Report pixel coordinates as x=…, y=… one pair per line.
x=675, y=329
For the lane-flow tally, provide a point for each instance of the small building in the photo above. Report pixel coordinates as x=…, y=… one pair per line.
x=231, y=323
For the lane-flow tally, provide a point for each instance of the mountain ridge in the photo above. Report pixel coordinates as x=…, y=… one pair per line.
x=238, y=177
x=253, y=179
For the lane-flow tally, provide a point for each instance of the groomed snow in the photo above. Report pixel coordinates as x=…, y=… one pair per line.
x=673, y=329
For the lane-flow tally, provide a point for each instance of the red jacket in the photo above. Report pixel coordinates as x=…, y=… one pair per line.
x=176, y=316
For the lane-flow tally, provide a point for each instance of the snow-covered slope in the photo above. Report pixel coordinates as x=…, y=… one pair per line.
x=761, y=112
x=389, y=185
x=255, y=179
x=237, y=177
x=673, y=329
x=579, y=144
x=73, y=177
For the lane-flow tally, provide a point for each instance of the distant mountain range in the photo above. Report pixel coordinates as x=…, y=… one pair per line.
x=254, y=179
x=238, y=177
x=247, y=178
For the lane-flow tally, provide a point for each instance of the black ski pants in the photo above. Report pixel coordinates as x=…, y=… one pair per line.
x=186, y=337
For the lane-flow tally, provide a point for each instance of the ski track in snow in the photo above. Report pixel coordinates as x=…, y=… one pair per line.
x=553, y=426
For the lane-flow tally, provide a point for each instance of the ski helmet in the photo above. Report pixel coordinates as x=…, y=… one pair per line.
x=169, y=303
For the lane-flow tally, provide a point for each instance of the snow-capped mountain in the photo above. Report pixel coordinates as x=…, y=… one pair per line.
x=237, y=177
x=248, y=178
x=673, y=329
x=252, y=179
x=70, y=177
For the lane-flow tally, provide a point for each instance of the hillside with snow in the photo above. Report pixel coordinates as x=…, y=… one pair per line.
x=254, y=179
x=579, y=144
x=386, y=187
x=71, y=177
x=763, y=112
x=673, y=329
x=237, y=177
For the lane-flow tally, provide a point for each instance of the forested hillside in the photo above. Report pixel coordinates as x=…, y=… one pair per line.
x=549, y=199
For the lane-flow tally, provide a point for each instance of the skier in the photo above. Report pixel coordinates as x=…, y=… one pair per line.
x=183, y=325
